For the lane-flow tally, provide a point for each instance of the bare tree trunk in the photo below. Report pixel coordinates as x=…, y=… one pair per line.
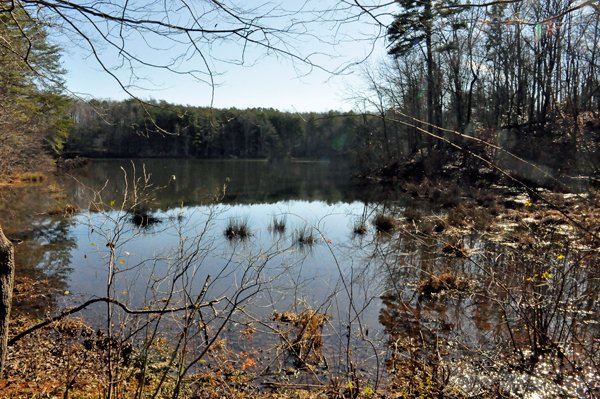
x=7, y=274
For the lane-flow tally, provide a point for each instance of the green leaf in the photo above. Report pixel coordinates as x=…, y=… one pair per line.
x=112, y=202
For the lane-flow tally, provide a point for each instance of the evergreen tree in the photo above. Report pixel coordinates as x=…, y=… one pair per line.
x=33, y=116
x=414, y=25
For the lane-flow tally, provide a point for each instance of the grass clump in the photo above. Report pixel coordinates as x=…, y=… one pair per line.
x=305, y=235
x=144, y=220
x=359, y=228
x=455, y=248
x=385, y=223
x=238, y=228
x=413, y=215
x=471, y=217
x=278, y=225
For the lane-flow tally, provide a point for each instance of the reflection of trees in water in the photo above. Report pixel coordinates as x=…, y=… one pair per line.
x=43, y=259
x=527, y=309
x=248, y=182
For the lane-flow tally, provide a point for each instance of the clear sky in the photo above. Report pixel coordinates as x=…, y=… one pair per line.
x=264, y=79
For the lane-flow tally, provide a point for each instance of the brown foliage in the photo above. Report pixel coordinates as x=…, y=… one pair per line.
x=304, y=339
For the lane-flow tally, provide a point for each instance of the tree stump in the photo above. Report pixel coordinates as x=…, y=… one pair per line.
x=7, y=274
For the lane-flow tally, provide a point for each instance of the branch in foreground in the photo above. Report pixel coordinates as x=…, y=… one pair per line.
x=76, y=309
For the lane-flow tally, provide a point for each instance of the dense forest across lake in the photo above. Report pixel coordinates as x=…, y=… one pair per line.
x=128, y=129
x=386, y=147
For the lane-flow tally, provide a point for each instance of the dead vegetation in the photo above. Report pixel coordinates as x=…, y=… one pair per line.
x=63, y=359
x=443, y=284
x=455, y=247
x=385, y=223
x=470, y=216
x=303, y=339
x=67, y=210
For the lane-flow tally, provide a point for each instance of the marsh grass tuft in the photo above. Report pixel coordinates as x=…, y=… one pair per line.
x=238, y=228
x=144, y=220
x=413, y=215
x=278, y=225
x=385, y=223
x=471, y=217
x=359, y=228
x=305, y=235
x=455, y=248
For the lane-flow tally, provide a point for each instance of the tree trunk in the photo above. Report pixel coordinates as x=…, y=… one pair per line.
x=7, y=274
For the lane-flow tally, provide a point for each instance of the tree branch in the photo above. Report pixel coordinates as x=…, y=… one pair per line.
x=76, y=309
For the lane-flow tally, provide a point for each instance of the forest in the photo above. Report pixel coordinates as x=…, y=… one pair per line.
x=460, y=83
x=157, y=129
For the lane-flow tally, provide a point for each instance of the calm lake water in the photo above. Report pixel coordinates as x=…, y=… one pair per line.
x=186, y=199
x=174, y=239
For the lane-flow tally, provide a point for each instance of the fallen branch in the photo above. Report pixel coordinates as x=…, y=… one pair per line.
x=114, y=302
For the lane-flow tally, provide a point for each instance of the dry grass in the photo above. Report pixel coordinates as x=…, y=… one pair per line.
x=31, y=177
x=66, y=210
x=304, y=339
x=446, y=282
x=469, y=216
x=385, y=223
x=455, y=248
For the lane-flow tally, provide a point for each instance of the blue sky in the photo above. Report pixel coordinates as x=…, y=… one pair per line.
x=264, y=79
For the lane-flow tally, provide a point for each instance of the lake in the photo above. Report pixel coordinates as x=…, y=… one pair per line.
x=151, y=234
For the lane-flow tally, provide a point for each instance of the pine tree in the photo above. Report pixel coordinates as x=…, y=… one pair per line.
x=414, y=25
x=33, y=116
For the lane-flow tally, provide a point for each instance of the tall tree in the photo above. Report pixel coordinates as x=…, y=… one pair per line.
x=33, y=115
x=414, y=25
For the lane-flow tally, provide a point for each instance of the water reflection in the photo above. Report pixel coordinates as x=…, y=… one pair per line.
x=196, y=182
x=43, y=255
x=419, y=291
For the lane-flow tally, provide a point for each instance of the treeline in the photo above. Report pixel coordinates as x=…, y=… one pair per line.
x=522, y=76
x=158, y=129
